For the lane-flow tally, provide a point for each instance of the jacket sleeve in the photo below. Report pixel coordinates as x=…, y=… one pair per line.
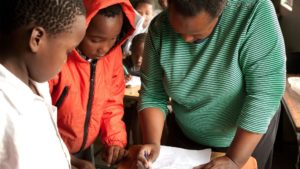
x=113, y=131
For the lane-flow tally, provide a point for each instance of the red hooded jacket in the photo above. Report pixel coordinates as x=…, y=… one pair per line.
x=89, y=96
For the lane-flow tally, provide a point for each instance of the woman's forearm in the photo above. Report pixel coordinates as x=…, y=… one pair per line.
x=152, y=123
x=243, y=146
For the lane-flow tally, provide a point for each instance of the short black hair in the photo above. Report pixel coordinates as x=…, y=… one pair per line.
x=111, y=11
x=137, y=2
x=54, y=16
x=139, y=38
x=193, y=7
x=161, y=3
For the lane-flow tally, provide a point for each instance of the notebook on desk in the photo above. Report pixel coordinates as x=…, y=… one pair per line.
x=134, y=81
x=294, y=82
x=179, y=158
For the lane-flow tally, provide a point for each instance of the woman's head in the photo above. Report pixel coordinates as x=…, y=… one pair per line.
x=40, y=33
x=191, y=8
x=194, y=20
x=137, y=48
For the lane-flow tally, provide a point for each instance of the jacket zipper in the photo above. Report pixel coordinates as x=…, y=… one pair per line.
x=62, y=96
x=89, y=104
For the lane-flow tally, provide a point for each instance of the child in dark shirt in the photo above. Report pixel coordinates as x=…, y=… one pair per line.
x=134, y=61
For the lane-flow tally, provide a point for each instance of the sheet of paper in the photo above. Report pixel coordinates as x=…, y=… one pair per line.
x=178, y=158
x=135, y=81
x=295, y=84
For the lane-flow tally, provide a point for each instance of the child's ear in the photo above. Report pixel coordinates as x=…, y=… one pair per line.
x=36, y=38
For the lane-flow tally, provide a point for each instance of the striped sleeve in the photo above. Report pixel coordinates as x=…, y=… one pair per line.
x=262, y=60
x=152, y=93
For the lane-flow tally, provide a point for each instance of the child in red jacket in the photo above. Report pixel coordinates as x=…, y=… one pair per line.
x=89, y=90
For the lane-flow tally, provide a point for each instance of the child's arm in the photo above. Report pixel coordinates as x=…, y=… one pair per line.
x=81, y=164
x=113, y=131
x=114, y=154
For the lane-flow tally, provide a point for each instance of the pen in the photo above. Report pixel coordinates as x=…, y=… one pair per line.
x=146, y=155
x=142, y=165
x=125, y=70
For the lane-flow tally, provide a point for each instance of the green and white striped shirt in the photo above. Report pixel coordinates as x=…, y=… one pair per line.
x=235, y=78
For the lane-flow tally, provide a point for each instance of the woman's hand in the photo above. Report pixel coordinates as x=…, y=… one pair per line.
x=223, y=162
x=147, y=154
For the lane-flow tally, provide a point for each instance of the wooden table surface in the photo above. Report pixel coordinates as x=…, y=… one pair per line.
x=291, y=102
x=132, y=92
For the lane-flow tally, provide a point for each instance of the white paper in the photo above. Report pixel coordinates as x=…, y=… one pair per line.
x=178, y=158
x=295, y=84
x=134, y=81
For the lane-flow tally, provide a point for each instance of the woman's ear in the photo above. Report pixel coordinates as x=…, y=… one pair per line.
x=37, y=38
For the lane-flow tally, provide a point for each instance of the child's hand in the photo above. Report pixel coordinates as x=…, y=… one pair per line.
x=114, y=154
x=128, y=78
x=81, y=164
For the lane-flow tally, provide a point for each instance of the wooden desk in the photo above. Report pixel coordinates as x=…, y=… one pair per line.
x=291, y=102
x=130, y=162
x=132, y=92
x=130, y=118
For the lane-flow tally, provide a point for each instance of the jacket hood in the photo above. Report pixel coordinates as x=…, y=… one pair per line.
x=93, y=6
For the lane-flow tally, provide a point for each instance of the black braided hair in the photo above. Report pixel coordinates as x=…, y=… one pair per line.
x=111, y=11
x=193, y=7
x=54, y=16
x=138, y=39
